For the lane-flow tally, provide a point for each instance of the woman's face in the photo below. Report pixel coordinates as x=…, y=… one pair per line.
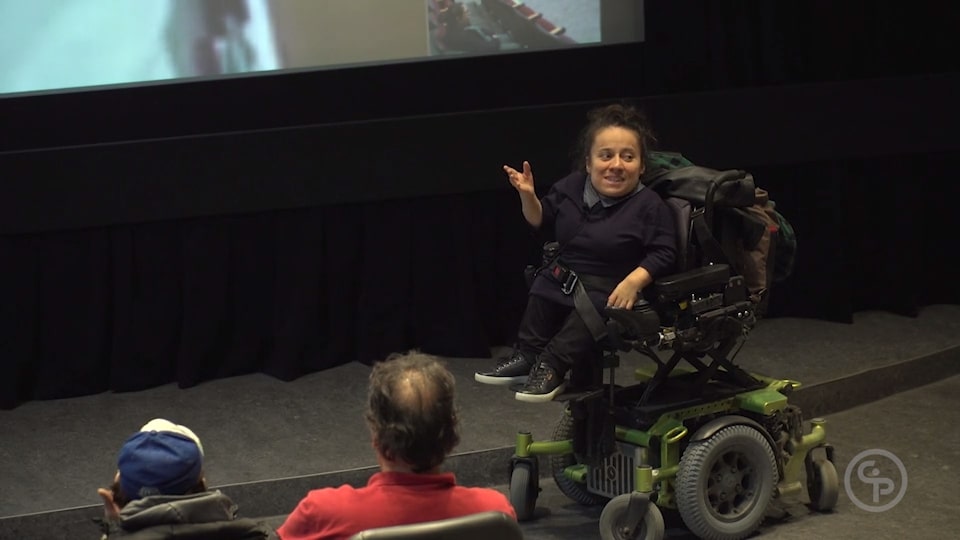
x=615, y=162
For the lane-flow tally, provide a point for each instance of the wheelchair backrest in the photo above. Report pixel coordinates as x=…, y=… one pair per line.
x=701, y=198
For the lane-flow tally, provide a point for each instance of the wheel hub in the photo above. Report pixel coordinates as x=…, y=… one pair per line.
x=729, y=487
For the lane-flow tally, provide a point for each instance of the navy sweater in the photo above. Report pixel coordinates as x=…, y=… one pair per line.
x=605, y=241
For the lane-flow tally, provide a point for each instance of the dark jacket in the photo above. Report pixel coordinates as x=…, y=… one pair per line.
x=208, y=515
x=607, y=241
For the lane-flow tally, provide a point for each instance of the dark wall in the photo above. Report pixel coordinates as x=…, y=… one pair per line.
x=291, y=222
x=306, y=166
x=731, y=83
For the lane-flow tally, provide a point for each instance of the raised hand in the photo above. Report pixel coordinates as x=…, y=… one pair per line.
x=110, y=509
x=522, y=181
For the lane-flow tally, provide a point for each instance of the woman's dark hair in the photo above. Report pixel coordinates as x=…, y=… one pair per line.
x=614, y=115
x=411, y=410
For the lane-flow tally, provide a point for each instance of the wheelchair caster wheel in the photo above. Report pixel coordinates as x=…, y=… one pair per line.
x=824, y=486
x=619, y=521
x=523, y=491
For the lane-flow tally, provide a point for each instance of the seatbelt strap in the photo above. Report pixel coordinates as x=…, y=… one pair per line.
x=571, y=283
x=587, y=311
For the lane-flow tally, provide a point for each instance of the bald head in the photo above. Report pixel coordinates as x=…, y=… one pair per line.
x=411, y=410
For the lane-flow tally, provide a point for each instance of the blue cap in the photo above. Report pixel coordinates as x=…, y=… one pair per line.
x=160, y=462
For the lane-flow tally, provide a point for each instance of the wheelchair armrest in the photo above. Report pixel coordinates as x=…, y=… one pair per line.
x=678, y=286
x=636, y=323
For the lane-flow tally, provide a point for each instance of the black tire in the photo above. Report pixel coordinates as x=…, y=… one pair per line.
x=824, y=487
x=725, y=483
x=615, y=512
x=574, y=490
x=523, y=492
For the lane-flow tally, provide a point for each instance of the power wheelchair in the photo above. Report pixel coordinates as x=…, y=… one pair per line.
x=707, y=439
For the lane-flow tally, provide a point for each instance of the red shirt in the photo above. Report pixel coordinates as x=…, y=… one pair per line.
x=389, y=498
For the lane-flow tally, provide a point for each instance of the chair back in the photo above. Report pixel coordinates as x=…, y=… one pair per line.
x=481, y=526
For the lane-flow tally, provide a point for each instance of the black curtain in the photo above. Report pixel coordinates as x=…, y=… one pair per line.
x=286, y=293
x=873, y=234
x=296, y=291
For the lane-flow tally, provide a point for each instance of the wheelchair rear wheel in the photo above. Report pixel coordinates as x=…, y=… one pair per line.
x=574, y=490
x=726, y=482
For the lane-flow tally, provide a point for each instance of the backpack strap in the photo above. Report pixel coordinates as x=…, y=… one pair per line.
x=706, y=240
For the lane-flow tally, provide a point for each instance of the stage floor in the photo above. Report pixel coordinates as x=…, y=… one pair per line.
x=259, y=430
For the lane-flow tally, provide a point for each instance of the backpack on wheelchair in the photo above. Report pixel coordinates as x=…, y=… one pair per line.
x=706, y=438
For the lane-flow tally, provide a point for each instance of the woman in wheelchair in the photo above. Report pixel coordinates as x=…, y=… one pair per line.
x=615, y=237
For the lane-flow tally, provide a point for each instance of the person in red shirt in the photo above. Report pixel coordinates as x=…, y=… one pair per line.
x=413, y=423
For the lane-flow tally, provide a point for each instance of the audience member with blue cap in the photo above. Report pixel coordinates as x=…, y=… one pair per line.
x=159, y=491
x=162, y=459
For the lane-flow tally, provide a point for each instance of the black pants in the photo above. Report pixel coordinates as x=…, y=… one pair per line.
x=556, y=334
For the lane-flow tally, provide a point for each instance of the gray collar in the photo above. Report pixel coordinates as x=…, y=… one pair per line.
x=592, y=197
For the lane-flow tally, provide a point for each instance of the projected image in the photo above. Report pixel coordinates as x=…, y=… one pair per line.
x=491, y=26
x=53, y=44
x=48, y=45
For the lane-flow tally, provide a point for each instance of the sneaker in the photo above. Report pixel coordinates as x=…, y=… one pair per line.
x=510, y=370
x=543, y=384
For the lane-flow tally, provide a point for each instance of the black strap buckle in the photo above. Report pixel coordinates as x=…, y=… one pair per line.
x=570, y=283
x=567, y=278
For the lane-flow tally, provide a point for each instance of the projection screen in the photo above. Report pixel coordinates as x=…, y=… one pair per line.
x=64, y=45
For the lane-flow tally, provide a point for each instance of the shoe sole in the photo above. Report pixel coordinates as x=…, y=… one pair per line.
x=499, y=381
x=541, y=398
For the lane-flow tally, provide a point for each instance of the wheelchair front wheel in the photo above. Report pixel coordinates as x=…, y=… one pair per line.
x=574, y=490
x=523, y=491
x=824, y=486
x=616, y=514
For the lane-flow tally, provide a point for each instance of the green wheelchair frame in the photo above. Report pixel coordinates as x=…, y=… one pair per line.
x=719, y=454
